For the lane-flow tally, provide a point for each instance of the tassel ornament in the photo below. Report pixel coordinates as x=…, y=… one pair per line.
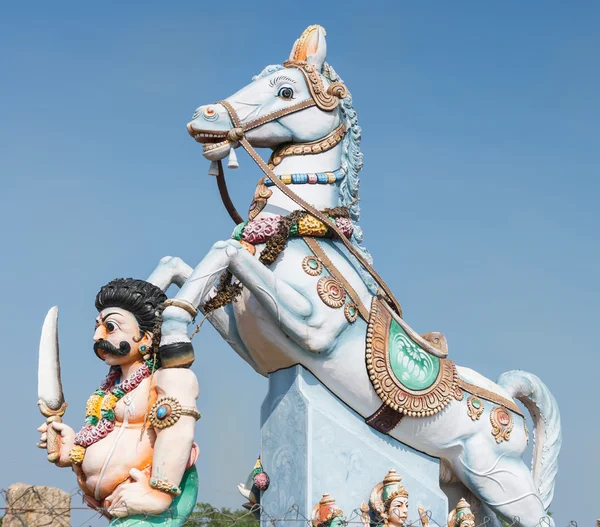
x=232, y=162
x=213, y=169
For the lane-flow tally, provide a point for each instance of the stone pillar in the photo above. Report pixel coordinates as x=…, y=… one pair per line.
x=39, y=506
x=312, y=443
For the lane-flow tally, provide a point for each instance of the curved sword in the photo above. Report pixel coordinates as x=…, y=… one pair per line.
x=51, y=400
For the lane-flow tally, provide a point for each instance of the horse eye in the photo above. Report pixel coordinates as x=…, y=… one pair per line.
x=285, y=93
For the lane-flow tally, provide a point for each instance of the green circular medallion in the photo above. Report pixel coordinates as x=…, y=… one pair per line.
x=415, y=368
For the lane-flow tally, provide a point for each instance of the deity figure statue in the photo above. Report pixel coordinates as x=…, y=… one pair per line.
x=135, y=455
x=327, y=514
x=258, y=481
x=389, y=501
x=461, y=516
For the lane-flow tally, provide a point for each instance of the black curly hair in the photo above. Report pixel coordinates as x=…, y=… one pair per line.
x=142, y=299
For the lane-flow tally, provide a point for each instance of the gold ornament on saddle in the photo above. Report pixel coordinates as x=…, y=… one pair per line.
x=502, y=424
x=409, y=374
x=474, y=407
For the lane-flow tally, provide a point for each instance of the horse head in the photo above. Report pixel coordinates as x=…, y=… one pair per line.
x=291, y=103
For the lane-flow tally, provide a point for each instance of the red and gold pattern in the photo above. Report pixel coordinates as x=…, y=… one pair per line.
x=331, y=292
x=502, y=424
x=459, y=395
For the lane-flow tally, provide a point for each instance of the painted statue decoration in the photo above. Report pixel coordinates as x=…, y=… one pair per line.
x=461, y=516
x=295, y=286
x=135, y=455
x=326, y=513
x=257, y=482
x=389, y=501
x=388, y=507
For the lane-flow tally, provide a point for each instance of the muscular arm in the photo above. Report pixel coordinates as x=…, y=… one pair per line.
x=173, y=444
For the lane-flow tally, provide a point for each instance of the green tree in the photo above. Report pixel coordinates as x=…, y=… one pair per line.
x=205, y=515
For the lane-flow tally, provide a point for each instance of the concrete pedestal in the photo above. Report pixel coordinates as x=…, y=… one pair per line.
x=312, y=443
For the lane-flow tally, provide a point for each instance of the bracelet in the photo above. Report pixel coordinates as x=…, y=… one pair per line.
x=163, y=485
x=167, y=410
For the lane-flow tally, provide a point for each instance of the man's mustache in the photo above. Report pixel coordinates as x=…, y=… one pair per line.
x=123, y=349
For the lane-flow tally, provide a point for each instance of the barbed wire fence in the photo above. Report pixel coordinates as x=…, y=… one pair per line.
x=31, y=506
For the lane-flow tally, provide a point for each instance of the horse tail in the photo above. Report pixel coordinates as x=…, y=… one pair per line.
x=547, y=435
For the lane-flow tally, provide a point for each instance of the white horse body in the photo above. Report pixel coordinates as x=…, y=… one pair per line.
x=279, y=320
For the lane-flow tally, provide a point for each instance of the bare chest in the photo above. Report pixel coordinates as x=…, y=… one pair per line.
x=134, y=406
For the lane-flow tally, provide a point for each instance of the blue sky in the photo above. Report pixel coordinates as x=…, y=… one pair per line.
x=479, y=192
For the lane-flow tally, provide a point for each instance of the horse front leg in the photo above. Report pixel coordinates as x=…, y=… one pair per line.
x=289, y=308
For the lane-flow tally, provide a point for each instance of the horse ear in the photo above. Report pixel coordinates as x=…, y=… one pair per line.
x=294, y=48
x=311, y=47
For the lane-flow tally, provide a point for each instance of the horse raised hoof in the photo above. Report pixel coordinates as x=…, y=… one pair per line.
x=176, y=355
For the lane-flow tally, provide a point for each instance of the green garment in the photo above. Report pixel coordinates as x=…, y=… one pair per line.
x=178, y=512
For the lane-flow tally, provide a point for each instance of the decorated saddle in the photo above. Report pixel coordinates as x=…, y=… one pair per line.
x=409, y=372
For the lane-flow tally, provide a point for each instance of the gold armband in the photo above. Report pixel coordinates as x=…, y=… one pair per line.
x=166, y=412
x=164, y=486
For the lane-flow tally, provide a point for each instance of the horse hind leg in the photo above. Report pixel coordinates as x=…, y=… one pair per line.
x=504, y=484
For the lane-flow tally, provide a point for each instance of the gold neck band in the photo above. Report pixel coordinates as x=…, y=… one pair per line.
x=303, y=149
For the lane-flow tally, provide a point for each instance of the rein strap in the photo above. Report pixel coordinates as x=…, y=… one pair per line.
x=237, y=134
x=323, y=218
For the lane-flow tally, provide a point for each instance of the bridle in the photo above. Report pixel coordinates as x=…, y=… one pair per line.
x=325, y=99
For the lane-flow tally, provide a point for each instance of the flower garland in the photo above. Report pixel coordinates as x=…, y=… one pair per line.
x=100, y=407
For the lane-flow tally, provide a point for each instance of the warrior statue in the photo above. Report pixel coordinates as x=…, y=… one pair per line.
x=135, y=455
x=296, y=286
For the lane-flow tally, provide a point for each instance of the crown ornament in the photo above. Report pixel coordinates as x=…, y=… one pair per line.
x=325, y=511
x=392, y=487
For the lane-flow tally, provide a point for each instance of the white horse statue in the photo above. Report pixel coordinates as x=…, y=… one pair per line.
x=296, y=287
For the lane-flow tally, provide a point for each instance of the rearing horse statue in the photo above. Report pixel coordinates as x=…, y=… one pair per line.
x=295, y=285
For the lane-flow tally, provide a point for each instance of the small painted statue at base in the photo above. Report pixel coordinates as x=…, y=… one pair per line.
x=389, y=501
x=134, y=457
x=257, y=482
x=461, y=516
x=327, y=514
